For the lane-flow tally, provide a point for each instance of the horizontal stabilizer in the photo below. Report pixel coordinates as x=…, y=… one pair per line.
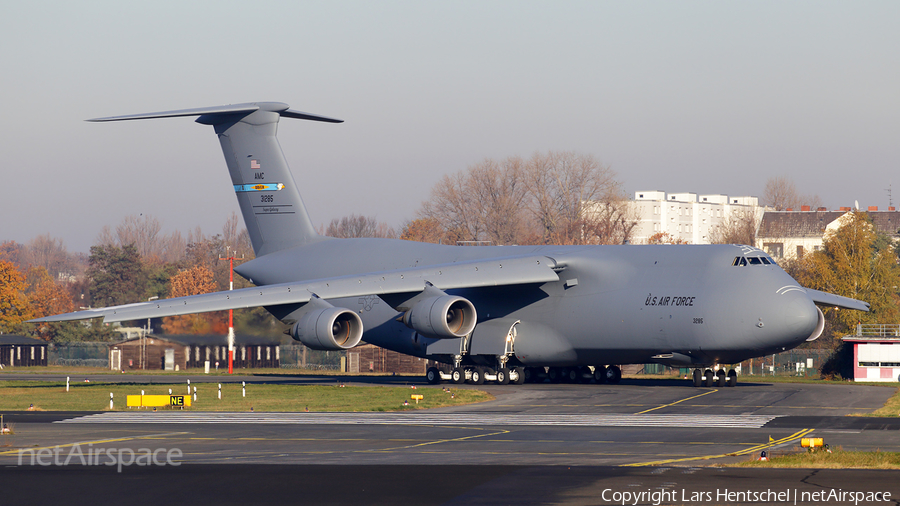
x=482, y=273
x=830, y=299
x=281, y=108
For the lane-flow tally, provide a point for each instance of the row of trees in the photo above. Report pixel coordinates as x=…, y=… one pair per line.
x=132, y=264
x=549, y=198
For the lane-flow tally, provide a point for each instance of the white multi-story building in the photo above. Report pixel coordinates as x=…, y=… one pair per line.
x=688, y=217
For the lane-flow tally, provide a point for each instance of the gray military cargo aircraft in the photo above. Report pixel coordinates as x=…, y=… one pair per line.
x=501, y=313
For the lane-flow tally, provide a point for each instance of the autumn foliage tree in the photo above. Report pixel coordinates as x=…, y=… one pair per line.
x=193, y=281
x=15, y=307
x=853, y=263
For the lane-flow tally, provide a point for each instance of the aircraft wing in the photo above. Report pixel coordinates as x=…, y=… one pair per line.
x=830, y=299
x=481, y=273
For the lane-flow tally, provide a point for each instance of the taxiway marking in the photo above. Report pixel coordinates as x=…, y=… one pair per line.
x=439, y=419
x=793, y=437
x=676, y=402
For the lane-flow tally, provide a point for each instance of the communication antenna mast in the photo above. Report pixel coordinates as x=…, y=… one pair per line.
x=890, y=200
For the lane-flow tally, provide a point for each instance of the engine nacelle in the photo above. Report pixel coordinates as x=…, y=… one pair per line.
x=442, y=317
x=325, y=327
x=820, y=326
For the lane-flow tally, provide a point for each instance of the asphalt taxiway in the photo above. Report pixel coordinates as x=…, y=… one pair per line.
x=563, y=443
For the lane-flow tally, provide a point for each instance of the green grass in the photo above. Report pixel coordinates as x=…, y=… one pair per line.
x=19, y=395
x=837, y=460
x=891, y=407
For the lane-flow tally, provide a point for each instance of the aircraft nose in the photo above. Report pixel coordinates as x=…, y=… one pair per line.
x=798, y=315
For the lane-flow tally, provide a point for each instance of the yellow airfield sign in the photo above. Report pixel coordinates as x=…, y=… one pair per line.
x=153, y=401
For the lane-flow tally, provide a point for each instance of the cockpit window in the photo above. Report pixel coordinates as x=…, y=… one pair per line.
x=745, y=261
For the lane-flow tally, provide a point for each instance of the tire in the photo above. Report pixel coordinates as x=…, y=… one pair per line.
x=698, y=378
x=520, y=380
x=720, y=378
x=613, y=374
x=555, y=374
x=503, y=376
x=457, y=376
x=433, y=375
x=571, y=375
x=732, y=378
x=600, y=374
x=584, y=374
x=477, y=376
x=708, y=382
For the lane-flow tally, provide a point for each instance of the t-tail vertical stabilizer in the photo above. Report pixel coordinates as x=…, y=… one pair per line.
x=270, y=202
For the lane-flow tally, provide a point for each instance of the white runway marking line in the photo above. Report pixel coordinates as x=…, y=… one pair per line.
x=608, y=420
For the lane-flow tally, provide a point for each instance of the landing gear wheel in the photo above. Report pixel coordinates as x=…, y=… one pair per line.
x=708, y=378
x=530, y=377
x=433, y=376
x=698, y=378
x=732, y=378
x=457, y=376
x=600, y=374
x=720, y=378
x=520, y=376
x=571, y=375
x=555, y=374
x=584, y=374
x=477, y=376
x=503, y=376
x=613, y=374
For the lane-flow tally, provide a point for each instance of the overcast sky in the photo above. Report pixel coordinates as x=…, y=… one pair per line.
x=707, y=97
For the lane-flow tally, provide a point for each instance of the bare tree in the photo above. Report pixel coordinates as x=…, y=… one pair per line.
x=739, y=227
x=557, y=197
x=561, y=186
x=144, y=233
x=608, y=222
x=140, y=231
x=781, y=193
x=359, y=226
x=51, y=254
x=452, y=205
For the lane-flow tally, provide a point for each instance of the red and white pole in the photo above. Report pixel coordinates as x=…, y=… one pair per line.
x=231, y=318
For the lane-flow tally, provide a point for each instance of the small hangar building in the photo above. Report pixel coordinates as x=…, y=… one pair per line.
x=876, y=352
x=179, y=352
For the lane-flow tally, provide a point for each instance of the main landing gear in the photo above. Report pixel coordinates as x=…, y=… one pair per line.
x=477, y=375
x=720, y=378
x=503, y=375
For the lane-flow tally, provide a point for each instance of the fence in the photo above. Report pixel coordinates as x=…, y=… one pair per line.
x=795, y=362
x=293, y=357
x=97, y=355
x=878, y=330
x=78, y=354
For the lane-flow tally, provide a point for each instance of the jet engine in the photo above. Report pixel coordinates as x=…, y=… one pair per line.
x=325, y=327
x=442, y=316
